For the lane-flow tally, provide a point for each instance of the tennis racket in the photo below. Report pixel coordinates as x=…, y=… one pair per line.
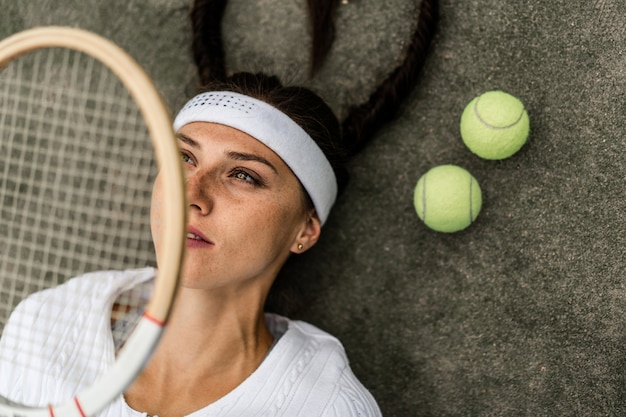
x=83, y=134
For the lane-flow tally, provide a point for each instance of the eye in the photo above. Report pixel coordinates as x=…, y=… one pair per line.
x=186, y=158
x=244, y=176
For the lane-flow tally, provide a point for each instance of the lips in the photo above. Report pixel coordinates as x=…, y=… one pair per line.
x=196, y=238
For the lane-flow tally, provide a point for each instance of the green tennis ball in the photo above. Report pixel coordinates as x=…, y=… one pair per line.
x=494, y=125
x=447, y=198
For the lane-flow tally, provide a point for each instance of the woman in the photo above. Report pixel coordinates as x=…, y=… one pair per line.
x=260, y=162
x=259, y=190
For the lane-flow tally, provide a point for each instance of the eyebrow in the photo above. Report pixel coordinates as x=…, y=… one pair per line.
x=242, y=156
x=237, y=156
x=187, y=140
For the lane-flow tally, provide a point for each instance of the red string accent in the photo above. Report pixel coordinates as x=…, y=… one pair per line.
x=154, y=320
x=80, y=409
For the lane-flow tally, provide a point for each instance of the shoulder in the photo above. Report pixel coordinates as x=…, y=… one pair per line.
x=321, y=370
x=60, y=324
x=98, y=285
x=72, y=305
x=352, y=399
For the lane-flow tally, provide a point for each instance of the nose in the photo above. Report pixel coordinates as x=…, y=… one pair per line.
x=198, y=193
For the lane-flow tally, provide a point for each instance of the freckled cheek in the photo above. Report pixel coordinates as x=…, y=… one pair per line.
x=283, y=217
x=256, y=225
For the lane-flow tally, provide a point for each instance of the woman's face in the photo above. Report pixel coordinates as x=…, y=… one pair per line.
x=246, y=209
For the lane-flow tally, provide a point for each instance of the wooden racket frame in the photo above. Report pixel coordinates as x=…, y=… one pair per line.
x=140, y=345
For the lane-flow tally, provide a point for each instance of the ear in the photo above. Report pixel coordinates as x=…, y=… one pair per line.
x=308, y=235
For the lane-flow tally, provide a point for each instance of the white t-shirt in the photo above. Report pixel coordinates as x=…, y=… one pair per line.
x=306, y=373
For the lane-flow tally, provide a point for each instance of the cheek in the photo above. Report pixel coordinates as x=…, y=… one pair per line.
x=284, y=222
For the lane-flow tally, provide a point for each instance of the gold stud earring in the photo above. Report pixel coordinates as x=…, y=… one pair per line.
x=300, y=246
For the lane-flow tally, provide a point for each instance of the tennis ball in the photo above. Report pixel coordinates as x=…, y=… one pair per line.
x=494, y=125
x=447, y=198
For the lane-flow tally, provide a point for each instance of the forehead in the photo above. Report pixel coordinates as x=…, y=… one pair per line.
x=205, y=135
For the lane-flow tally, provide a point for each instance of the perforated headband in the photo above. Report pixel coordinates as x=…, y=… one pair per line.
x=275, y=130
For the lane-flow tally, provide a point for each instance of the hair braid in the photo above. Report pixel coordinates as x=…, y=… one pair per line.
x=207, y=46
x=363, y=120
x=322, y=21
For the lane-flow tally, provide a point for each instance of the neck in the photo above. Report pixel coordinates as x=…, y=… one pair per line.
x=206, y=327
x=210, y=346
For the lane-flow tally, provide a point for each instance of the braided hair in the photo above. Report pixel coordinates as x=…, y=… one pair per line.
x=363, y=120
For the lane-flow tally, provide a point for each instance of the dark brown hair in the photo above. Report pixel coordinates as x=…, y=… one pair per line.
x=362, y=121
x=365, y=119
x=322, y=24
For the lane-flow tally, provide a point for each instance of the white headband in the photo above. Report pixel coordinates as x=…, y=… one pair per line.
x=274, y=129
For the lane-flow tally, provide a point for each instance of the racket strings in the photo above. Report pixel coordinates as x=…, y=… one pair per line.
x=76, y=172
